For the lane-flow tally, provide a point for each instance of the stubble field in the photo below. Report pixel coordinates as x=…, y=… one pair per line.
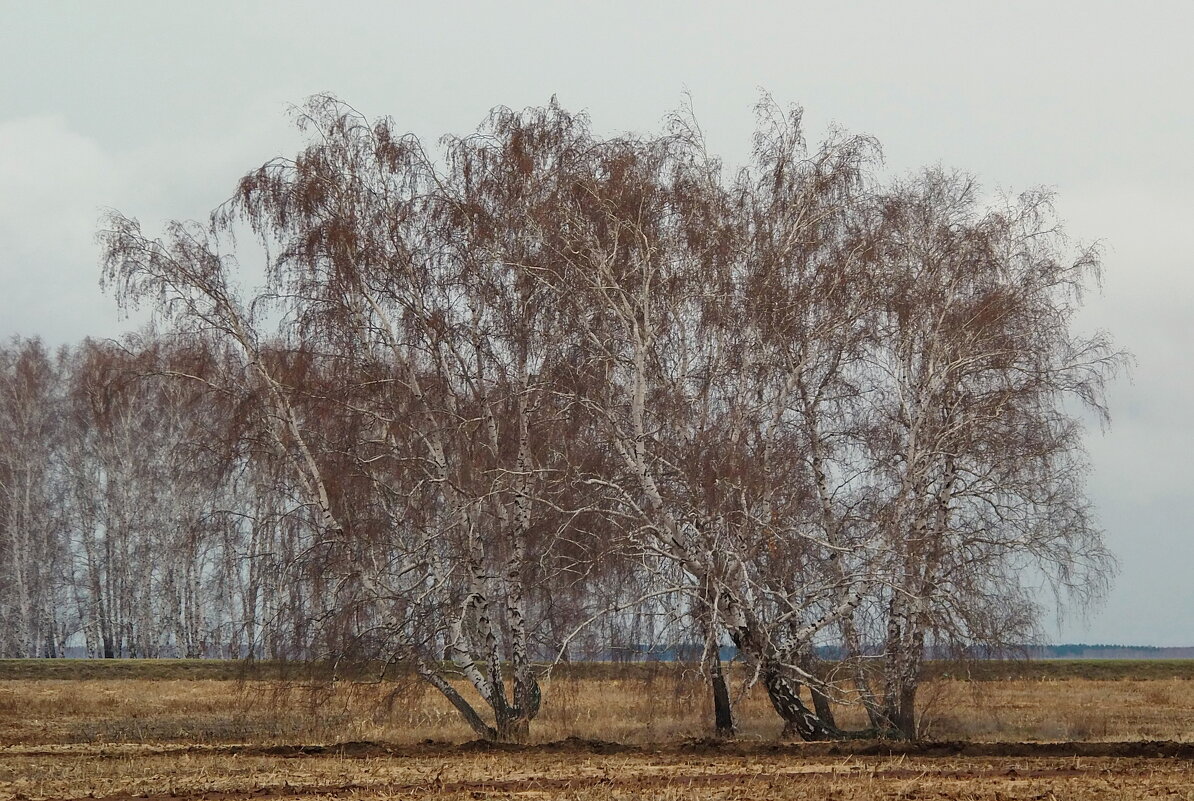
x=639, y=732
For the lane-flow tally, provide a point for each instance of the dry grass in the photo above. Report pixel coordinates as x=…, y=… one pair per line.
x=667, y=705
x=166, y=739
x=1078, y=709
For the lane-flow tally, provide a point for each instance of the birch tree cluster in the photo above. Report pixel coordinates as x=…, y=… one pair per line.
x=125, y=530
x=534, y=394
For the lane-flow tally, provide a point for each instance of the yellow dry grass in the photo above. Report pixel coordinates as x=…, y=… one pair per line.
x=174, y=739
x=664, y=706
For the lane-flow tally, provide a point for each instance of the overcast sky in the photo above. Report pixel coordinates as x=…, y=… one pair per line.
x=156, y=109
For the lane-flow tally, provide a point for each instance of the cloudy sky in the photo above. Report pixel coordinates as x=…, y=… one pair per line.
x=155, y=109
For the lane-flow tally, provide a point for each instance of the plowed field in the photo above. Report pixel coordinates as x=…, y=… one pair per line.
x=594, y=770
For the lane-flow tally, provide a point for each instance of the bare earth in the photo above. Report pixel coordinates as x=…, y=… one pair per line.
x=576, y=771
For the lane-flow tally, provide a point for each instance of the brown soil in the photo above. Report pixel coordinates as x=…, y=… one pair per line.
x=1166, y=749
x=632, y=784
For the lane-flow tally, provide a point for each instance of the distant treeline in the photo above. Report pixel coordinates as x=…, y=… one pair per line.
x=1105, y=651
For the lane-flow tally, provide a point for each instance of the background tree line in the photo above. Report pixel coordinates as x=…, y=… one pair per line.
x=537, y=393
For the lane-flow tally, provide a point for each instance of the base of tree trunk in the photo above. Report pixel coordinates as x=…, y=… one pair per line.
x=799, y=720
x=723, y=713
x=515, y=730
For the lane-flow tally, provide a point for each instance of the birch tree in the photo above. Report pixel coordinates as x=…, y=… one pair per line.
x=981, y=378
x=718, y=318
x=32, y=576
x=407, y=399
